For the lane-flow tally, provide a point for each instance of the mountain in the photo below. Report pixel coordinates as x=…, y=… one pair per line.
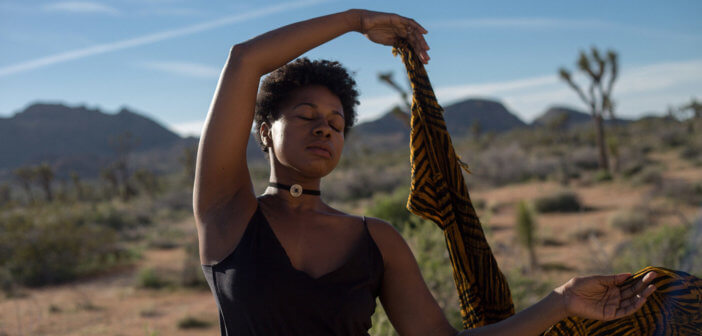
x=83, y=139
x=573, y=117
x=390, y=132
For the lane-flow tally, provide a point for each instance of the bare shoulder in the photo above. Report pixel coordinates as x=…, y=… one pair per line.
x=390, y=242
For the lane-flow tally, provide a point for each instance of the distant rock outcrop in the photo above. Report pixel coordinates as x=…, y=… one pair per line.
x=82, y=139
x=570, y=117
x=390, y=132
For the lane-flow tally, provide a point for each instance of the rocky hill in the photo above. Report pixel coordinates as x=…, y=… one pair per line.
x=83, y=140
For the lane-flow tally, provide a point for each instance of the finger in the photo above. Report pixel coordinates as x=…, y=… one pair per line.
x=633, y=304
x=421, y=29
x=639, y=285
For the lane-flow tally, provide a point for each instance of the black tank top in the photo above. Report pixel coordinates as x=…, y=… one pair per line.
x=259, y=292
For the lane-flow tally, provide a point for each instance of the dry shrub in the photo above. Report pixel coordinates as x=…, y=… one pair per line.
x=585, y=158
x=561, y=201
x=681, y=190
x=632, y=220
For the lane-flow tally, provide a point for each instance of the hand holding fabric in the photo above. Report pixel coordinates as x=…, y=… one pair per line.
x=601, y=297
x=388, y=29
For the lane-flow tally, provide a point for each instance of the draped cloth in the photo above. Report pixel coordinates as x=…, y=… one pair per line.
x=438, y=193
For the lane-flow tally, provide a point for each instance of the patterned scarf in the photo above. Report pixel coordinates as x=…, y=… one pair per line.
x=439, y=193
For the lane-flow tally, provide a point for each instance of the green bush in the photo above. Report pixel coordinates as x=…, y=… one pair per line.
x=562, y=201
x=148, y=278
x=602, y=176
x=49, y=246
x=664, y=247
x=392, y=208
x=526, y=291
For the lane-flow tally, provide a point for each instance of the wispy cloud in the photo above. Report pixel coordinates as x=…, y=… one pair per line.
x=642, y=89
x=84, y=7
x=150, y=38
x=186, y=69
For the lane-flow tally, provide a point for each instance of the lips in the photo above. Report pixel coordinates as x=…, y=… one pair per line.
x=320, y=149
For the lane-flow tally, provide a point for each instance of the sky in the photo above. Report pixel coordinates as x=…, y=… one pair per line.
x=162, y=58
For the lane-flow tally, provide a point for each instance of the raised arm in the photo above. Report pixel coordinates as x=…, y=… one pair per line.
x=222, y=183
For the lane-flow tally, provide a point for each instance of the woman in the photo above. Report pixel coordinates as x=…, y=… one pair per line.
x=286, y=263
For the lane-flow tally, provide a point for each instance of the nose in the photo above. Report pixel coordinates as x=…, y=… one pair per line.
x=322, y=129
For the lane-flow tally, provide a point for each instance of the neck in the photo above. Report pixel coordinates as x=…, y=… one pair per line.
x=282, y=199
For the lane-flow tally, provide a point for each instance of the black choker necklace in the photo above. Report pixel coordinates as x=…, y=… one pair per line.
x=295, y=189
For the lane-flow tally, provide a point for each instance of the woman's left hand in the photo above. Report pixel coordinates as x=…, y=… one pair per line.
x=600, y=297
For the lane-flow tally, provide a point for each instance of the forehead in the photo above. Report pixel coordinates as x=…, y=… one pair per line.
x=317, y=96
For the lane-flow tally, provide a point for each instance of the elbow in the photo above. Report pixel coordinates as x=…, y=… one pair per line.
x=241, y=57
x=238, y=54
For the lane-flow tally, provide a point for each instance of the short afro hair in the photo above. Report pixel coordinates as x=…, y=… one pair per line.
x=278, y=85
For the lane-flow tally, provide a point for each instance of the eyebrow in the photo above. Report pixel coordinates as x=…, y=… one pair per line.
x=316, y=107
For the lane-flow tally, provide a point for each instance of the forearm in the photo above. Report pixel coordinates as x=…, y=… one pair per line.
x=275, y=48
x=531, y=321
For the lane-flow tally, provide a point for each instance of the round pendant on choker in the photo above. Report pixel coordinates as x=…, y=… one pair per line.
x=296, y=190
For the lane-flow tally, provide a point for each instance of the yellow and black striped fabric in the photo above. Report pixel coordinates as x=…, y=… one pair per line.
x=675, y=308
x=438, y=193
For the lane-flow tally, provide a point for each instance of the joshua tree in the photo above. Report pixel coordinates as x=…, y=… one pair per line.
x=123, y=145
x=602, y=72
x=25, y=176
x=45, y=175
x=694, y=107
x=398, y=112
x=526, y=232
x=148, y=181
x=110, y=176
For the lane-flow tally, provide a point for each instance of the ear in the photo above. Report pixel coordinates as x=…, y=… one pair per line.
x=265, y=133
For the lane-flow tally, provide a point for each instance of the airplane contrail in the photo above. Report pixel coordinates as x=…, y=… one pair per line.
x=150, y=38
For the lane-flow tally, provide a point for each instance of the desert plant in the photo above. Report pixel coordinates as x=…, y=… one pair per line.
x=599, y=97
x=190, y=322
x=632, y=220
x=664, y=247
x=191, y=275
x=561, y=201
x=148, y=278
x=49, y=246
x=526, y=231
x=392, y=208
x=45, y=175
x=602, y=176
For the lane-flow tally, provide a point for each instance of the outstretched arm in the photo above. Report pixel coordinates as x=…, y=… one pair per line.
x=595, y=297
x=222, y=182
x=414, y=311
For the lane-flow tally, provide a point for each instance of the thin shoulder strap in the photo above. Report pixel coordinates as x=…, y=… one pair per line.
x=364, y=222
